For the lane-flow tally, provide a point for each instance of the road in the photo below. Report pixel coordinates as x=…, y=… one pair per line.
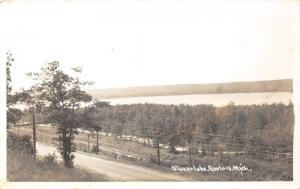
x=115, y=170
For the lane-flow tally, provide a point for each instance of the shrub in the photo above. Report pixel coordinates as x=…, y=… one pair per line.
x=50, y=158
x=153, y=159
x=94, y=149
x=20, y=143
x=173, y=150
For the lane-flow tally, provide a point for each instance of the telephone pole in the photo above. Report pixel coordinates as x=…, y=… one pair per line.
x=34, y=134
x=158, y=153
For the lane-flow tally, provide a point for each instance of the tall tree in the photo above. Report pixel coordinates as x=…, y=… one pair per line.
x=63, y=97
x=13, y=114
x=30, y=98
x=92, y=120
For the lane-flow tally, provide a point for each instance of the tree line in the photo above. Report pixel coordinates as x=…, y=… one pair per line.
x=256, y=129
x=244, y=125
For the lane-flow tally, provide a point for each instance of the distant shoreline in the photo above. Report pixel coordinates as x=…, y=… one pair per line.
x=283, y=85
x=217, y=100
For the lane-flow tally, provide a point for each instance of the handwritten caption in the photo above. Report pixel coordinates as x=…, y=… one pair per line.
x=198, y=168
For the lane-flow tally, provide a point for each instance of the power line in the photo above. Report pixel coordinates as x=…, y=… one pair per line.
x=234, y=144
x=258, y=148
x=268, y=152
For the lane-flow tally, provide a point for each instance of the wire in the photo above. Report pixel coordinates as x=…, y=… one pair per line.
x=257, y=148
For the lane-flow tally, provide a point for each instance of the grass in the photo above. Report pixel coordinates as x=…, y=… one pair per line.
x=46, y=135
x=262, y=169
x=21, y=167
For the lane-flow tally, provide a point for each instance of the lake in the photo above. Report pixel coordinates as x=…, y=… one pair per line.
x=215, y=99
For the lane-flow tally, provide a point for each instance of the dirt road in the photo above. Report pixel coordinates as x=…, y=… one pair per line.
x=112, y=169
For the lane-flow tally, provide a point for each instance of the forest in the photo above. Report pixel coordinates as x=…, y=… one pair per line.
x=254, y=129
x=244, y=127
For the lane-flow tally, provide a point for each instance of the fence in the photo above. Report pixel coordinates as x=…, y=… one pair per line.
x=85, y=140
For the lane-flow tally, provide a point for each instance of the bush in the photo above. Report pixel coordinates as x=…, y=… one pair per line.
x=153, y=159
x=20, y=143
x=173, y=150
x=94, y=149
x=50, y=158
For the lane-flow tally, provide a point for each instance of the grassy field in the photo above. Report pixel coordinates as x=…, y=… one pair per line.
x=46, y=135
x=22, y=167
x=262, y=170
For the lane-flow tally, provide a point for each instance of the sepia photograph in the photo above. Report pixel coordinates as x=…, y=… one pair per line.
x=142, y=90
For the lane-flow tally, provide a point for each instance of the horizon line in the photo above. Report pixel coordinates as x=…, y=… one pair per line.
x=207, y=83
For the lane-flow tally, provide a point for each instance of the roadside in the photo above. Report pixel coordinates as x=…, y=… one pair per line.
x=22, y=167
x=136, y=154
x=113, y=169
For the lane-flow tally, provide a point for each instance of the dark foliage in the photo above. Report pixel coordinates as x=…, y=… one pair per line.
x=259, y=128
x=20, y=143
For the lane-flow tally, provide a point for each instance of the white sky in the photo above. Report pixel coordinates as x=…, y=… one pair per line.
x=137, y=43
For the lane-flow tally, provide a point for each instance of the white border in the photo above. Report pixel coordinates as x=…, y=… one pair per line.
x=293, y=184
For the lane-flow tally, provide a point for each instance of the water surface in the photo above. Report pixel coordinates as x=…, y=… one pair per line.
x=215, y=99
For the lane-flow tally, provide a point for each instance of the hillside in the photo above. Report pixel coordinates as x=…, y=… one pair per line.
x=285, y=85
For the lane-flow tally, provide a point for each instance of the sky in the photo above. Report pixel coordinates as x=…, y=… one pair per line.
x=147, y=42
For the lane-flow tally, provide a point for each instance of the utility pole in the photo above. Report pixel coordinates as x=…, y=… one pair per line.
x=41, y=134
x=158, y=153
x=88, y=142
x=34, y=134
x=157, y=133
x=97, y=142
x=190, y=152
